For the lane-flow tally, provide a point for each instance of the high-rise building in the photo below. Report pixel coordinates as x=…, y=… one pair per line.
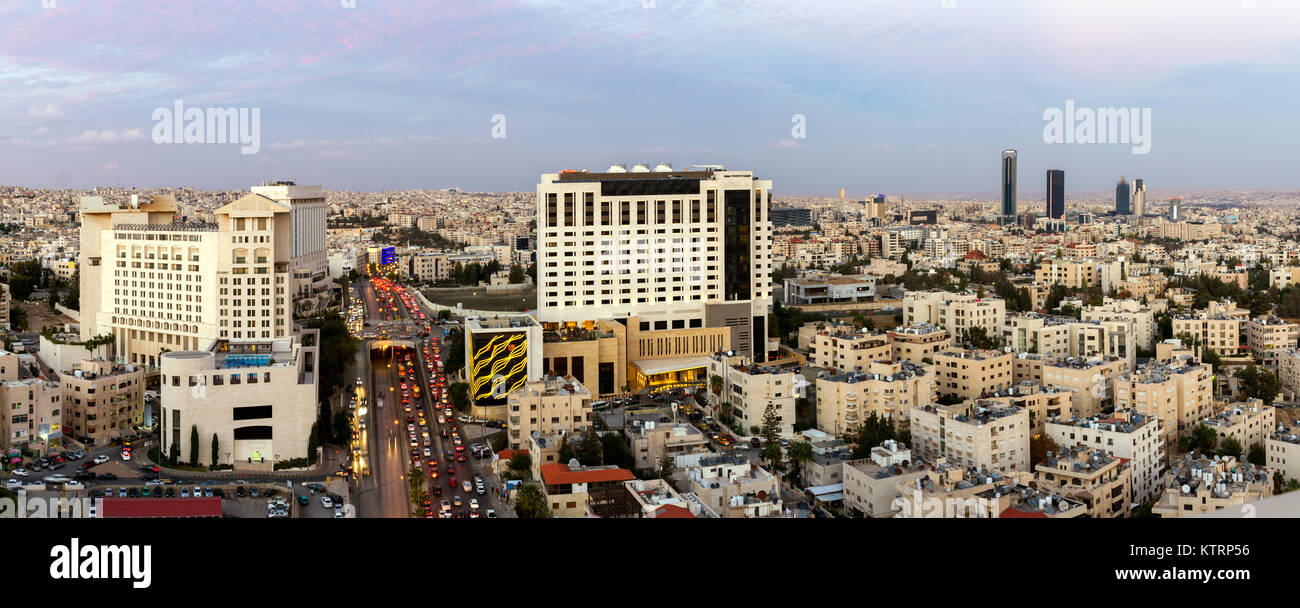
x=1055, y=193
x=791, y=216
x=1122, y=205
x=1009, y=183
x=1175, y=209
x=678, y=249
x=1139, y=198
x=157, y=284
x=307, y=211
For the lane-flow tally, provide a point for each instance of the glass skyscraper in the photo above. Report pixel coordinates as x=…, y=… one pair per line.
x=1122, y=206
x=1009, y=183
x=1055, y=193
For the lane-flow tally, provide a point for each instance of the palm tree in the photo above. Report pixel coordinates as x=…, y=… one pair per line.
x=800, y=452
x=715, y=382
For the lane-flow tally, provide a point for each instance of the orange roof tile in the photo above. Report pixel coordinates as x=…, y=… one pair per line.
x=558, y=473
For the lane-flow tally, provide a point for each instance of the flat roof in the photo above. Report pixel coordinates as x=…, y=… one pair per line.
x=653, y=367
x=161, y=507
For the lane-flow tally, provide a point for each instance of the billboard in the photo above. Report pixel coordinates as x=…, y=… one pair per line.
x=498, y=364
x=388, y=255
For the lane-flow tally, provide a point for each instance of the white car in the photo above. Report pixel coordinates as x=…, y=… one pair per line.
x=101, y=459
x=153, y=482
x=21, y=473
x=326, y=502
x=13, y=483
x=126, y=455
x=473, y=503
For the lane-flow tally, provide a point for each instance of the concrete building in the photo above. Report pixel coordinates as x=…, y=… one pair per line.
x=918, y=343
x=567, y=485
x=33, y=406
x=1091, y=382
x=871, y=484
x=257, y=399
x=970, y=373
x=1250, y=423
x=1178, y=395
x=973, y=436
x=889, y=390
x=547, y=406
x=1282, y=450
x=652, y=442
x=501, y=355
x=1063, y=337
x=308, y=256
x=1268, y=337
x=1125, y=434
x=688, y=248
x=1142, y=317
x=102, y=401
x=751, y=389
x=1091, y=476
x=1202, y=485
x=954, y=312
x=733, y=487
x=830, y=290
x=840, y=348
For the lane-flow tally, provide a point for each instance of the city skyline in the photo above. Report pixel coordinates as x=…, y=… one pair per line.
x=384, y=97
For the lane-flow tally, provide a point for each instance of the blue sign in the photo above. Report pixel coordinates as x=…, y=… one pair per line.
x=388, y=255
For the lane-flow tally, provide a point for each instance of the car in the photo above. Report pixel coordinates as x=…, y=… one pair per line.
x=473, y=504
x=171, y=492
x=239, y=491
x=456, y=500
x=460, y=457
x=326, y=502
x=126, y=455
x=446, y=506
x=254, y=492
x=100, y=459
x=21, y=473
x=437, y=490
x=197, y=492
x=218, y=492
x=13, y=483
x=467, y=486
x=121, y=492
x=207, y=492
x=491, y=513
x=153, y=482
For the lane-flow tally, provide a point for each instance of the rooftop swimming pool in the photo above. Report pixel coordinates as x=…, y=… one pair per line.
x=246, y=361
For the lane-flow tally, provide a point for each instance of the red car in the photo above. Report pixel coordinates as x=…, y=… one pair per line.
x=461, y=457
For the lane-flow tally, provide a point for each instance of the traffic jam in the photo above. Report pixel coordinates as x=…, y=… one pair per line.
x=450, y=481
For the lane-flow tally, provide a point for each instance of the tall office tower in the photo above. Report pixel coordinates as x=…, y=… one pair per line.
x=1122, y=206
x=1139, y=198
x=877, y=206
x=1175, y=209
x=155, y=283
x=307, y=211
x=676, y=249
x=1009, y=184
x=1055, y=193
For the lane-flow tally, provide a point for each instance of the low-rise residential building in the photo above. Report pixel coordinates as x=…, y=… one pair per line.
x=871, y=484
x=972, y=373
x=102, y=400
x=1282, y=451
x=731, y=486
x=1091, y=476
x=1090, y=381
x=1177, y=394
x=972, y=436
x=566, y=485
x=1269, y=337
x=751, y=389
x=1249, y=423
x=548, y=405
x=1125, y=434
x=844, y=349
x=1143, y=318
x=1201, y=485
x=947, y=491
x=918, y=343
x=652, y=442
x=955, y=312
x=32, y=416
x=888, y=390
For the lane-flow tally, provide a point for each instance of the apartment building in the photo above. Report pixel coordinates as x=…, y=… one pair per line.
x=1089, y=475
x=1282, y=450
x=972, y=436
x=1268, y=337
x=843, y=349
x=1091, y=382
x=257, y=399
x=5, y=301
x=751, y=389
x=688, y=248
x=871, y=484
x=639, y=498
x=1041, y=402
x=102, y=400
x=972, y=373
x=947, y=491
x=567, y=485
x=1250, y=423
x=153, y=299
x=1063, y=337
x=1189, y=231
x=953, y=312
x=830, y=289
x=889, y=390
x=653, y=442
x=547, y=406
x=1288, y=372
x=1177, y=394
x=917, y=343
x=1069, y=273
x=731, y=486
x=33, y=416
x=1202, y=485
x=1125, y=434
x=1218, y=330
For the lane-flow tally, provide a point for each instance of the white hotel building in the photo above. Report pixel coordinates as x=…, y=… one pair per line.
x=677, y=249
x=160, y=284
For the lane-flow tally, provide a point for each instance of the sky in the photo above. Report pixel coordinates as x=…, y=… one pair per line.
x=895, y=96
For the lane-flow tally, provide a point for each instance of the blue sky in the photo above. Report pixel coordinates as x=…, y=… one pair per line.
x=900, y=96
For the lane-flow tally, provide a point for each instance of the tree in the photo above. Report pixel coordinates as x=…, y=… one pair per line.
x=194, y=446
x=458, y=395
x=517, y=274
x=415, y=484
x=871, y=432
x=455, y=352
x=337, y=347
x=771, y=434
x=1258, y=383
x=216, y=450
x=313, y=441
x=979, y=338
x=1229, y=447
x=342, y=428
x=715, y=383
x=1203, y=439
x=567, y=452
x=616, y=451
x=520, y=463
x=800, y=452
x=1039, y=446
x=1257, y=456
x=174, y=453
x=530, y=503
x=591, y=452
x=666, y=467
